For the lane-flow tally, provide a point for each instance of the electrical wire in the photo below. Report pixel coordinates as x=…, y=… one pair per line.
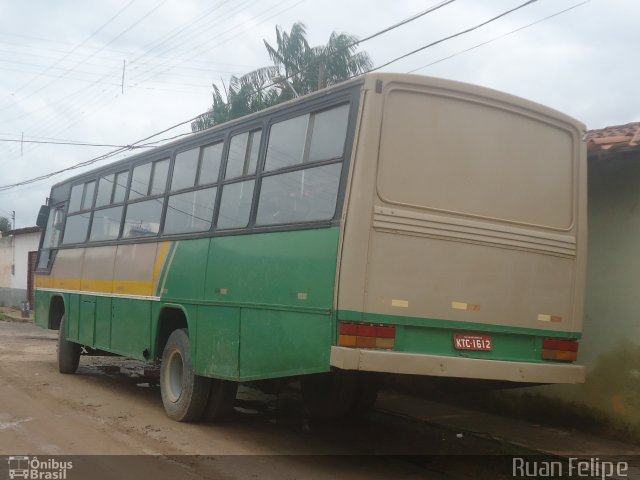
x=50, y=142
x=55, y=64
x=462, y=32
x=548, y=17
x=137, y=143
x=103, y=157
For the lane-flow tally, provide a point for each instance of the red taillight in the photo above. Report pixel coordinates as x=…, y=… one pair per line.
x=559, y=350
x=366, y=336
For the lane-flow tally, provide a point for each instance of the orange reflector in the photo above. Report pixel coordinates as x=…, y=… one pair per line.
x=559, y=355
x=366, y=336
x=559, y=350
x=347, y=340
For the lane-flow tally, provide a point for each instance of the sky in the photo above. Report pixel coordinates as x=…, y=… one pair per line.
x=62, y=63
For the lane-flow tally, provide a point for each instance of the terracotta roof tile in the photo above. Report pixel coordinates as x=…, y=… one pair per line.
x=618, y=137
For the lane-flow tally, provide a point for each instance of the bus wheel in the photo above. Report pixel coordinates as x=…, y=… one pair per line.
x=184, y=394
x=366, y=394
x=68, y=352
x=330, y=395
x=221, y=399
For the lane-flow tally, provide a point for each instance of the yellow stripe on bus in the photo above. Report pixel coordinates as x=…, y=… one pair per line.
x=160, y=259
x=123, y=287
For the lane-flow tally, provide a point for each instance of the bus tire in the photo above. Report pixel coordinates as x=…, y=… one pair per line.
x=221, y=399
x=330, y=396
x=184, y=394
x=68, y=352
x=367, y=387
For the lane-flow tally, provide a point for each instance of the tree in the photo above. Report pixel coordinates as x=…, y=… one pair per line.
x=5, y=225
x=297, y=69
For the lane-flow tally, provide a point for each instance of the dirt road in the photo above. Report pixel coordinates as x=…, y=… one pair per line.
x=101, y=411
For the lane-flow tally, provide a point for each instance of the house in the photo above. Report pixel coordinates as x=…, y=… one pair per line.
x=610, y=346
x=18, y=253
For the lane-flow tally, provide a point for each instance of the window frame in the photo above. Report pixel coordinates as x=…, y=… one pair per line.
x=349, y=94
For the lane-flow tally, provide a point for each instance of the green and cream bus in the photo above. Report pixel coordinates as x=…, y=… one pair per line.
x=392, y=223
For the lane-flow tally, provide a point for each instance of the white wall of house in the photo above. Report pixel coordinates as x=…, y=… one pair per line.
x=23, y=244
x=14, y=265
x=610, y=346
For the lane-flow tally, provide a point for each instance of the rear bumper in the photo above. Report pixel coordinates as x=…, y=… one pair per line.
x=442, y=366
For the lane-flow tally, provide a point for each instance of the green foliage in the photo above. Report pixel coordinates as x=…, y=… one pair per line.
x=297, y=69
x=5, y=224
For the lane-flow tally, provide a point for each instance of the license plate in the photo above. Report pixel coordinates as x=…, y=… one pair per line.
x=464, y=341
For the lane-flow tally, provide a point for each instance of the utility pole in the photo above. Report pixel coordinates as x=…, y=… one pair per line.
x=124, y=64
x=13, y=219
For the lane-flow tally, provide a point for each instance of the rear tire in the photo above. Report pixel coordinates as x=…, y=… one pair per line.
x=68, y=352
x=330, y=396
x=221, y=399
x=184, y=394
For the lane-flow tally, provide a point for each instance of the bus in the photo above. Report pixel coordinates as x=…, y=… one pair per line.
x=391, y=224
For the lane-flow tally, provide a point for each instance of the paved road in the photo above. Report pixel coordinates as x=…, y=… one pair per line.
x=102, y=411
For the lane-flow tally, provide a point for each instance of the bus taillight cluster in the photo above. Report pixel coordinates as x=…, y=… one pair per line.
x=366, y=336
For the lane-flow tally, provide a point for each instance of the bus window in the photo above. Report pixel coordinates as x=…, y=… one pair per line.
x=286, y=143
x=210, y=167
x=87, y=198
x=75, y=230
x=300, y=196
x=235, y=205
x=329, y=133
x=51, y=236
x=120, y=187
x=243, y=154
x=76, y=198
x=159, y=177
x=190, y=212
x=140, y=181
x=105, y=224
x=143, y=219
x=185, y=169
x=105, y=189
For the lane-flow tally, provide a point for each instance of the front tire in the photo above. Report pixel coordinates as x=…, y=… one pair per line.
x=68, y=352
x=184, y=394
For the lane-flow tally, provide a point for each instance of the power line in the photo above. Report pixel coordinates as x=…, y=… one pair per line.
x=444, y=39
x=80, y=144
x=53, y=65
x=101, y=95
x=62, y=75
x=500, y=36
x=120, y=150
x=94, y=159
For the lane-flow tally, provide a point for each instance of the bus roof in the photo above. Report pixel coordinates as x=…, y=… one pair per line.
x=369, y=81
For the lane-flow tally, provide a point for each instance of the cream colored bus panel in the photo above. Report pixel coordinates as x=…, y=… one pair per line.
x=476, y=157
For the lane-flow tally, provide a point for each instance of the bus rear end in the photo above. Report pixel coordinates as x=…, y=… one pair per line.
x=464, y=237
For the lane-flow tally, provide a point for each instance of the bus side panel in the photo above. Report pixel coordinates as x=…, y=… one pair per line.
x=42, y=301
x=103, y=323
x=286, y=281
x=131, y=327
x=72, y=316
x=290, y=269
x=218, y=342
x=188, y=263
x=277, y=344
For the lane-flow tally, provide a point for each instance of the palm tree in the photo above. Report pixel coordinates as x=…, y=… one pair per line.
x=297, y=69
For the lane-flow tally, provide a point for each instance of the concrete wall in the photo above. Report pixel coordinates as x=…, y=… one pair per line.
x=610, y=348
x=24, y=244
x=15, y=248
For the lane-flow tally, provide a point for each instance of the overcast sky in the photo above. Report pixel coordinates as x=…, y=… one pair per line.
x=61, y=64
